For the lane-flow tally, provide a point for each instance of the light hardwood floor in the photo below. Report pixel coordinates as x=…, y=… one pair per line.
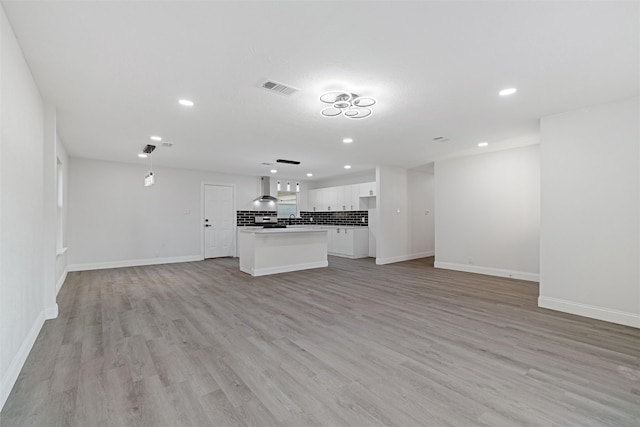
x=203, y=344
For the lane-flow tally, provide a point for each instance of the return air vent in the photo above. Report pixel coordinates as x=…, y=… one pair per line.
x=280, y=88
x=148, y=149
x=441, y=139
x=289, y=162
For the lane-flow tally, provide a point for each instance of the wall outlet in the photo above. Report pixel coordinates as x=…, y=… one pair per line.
x=362, y=219
x=311, y=219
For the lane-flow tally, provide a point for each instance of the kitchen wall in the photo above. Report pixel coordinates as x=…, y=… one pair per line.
x=114, y=220
x=25, y=303
x=590, y=212
x=488, y=213
x=353, y=178
x=341, y=218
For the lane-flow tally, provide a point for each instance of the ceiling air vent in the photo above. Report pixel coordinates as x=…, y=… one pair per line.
x=289, y=162
x=279, y=88
x=441, y=139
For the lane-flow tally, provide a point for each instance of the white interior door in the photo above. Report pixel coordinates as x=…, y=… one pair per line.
x=218, y=221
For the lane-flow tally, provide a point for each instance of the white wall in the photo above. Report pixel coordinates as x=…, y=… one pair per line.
x=115, y=221
x=590, y=212
x=401, y=195
x=488, y=213
x=420, y=187
x=24, y=305
x=61, y=255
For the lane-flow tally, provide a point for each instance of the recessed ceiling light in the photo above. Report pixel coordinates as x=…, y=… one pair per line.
x=142, y=155
x=309, y=174
x=483, y=144
x=186, y=102
x=507, y=92
x=274, y=171
x=347, y=140
x=156, y=138
x=347, y=166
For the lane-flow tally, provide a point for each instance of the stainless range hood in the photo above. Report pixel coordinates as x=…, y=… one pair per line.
x=265, y=188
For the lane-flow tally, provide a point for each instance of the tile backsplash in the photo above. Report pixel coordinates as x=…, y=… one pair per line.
x=348, y=218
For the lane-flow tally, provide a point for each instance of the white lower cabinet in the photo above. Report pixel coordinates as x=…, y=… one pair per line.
x=348, y=242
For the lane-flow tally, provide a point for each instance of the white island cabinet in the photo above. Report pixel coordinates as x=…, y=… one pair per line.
x=278, y=250
x=349, y=242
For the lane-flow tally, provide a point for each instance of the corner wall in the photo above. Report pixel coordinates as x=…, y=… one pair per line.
x=23, y=298
x=487, y=218
x=590, y=212
x=402, y=197
x=115, y=221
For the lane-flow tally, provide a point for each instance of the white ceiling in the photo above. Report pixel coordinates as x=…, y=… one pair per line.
x=115, y=70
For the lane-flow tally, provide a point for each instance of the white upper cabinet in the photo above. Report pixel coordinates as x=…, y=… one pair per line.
x=367, y=189
x=345, y=202
x=342, y=198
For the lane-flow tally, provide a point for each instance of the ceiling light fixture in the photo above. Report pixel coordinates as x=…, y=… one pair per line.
x=347, y=140
x=346, y=104
x=483, y=144
x=309, y=174
x=274, y=171
x=347, y=166
x=156, y=138
x=142, y=155
x=507, y=92
x=185, y=102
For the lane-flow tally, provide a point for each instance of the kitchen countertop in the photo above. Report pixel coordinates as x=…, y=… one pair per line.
x=291, y=229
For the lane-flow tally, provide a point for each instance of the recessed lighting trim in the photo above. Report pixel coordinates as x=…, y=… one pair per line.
x=274, y=171
x=508, y=91
x=347, y=140
x=309, y=174
x=142, y=155
x=156, y=138
x=186, y=102
x=347, y=166
x=483, y=144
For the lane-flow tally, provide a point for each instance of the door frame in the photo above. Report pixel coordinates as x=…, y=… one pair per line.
x=234, y=226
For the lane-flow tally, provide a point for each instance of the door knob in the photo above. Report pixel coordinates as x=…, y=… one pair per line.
x=207, y=225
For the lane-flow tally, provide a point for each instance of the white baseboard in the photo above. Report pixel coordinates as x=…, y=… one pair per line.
x=132, y=263
x=11, y=375
x=284, y=268
x=408, y=257
x=61, y=280
x=592, y=311
x=489, y=271
x=51, y=312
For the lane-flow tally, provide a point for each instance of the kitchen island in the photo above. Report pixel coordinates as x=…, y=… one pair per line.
x=265, y=251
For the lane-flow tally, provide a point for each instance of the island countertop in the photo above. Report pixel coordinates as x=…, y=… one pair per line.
x=260, y=230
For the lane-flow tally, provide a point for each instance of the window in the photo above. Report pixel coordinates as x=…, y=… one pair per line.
x=287, y=204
